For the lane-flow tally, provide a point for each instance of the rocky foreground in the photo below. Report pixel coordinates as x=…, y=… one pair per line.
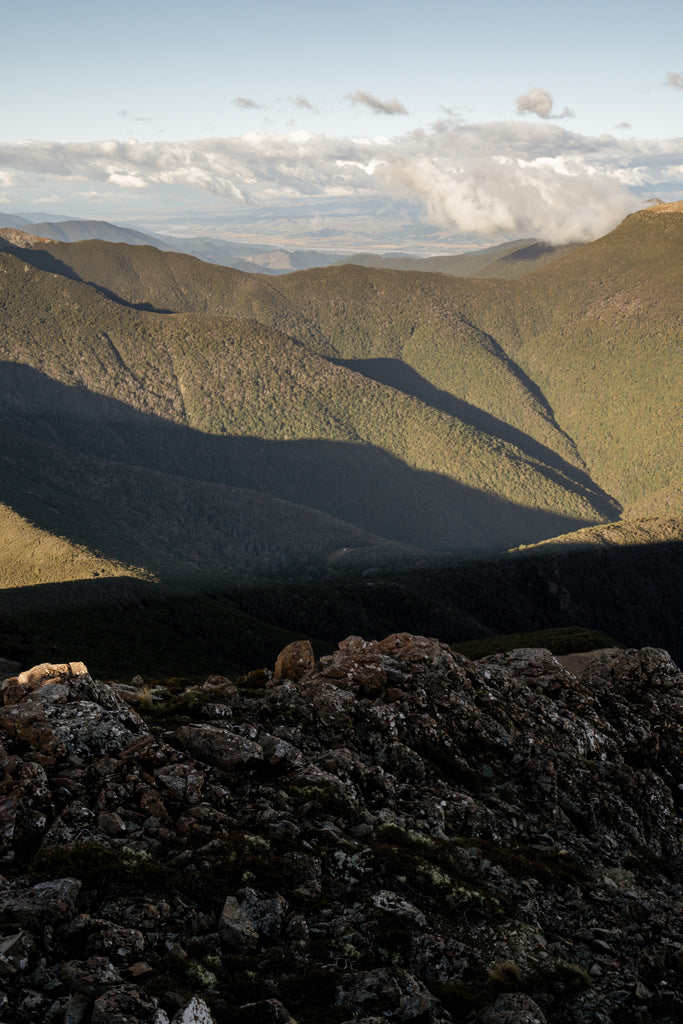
x=393, y=833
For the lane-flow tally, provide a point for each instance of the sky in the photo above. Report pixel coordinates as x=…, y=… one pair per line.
x=389, y=123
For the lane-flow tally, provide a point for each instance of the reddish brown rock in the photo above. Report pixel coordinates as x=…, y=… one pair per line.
x=294, y=661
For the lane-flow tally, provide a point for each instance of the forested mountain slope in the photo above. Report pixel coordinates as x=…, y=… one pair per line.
x=398, y=414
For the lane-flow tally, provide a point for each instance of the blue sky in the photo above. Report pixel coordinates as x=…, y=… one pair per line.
x=479, y=120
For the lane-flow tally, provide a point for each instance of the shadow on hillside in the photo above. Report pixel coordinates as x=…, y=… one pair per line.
x=122, y=627
x=357, y=484
x=404, y=378
x=633, y=594
x=126, y=626
x=45, y=261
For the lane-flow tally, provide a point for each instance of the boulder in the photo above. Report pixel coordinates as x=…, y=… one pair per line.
x=194, y=1012
x=513, y=1008
x=235, y=927
x=219, y=747
x=71, y=716
x=294, y=661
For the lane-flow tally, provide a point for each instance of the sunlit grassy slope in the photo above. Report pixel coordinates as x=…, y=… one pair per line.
x=31, y=555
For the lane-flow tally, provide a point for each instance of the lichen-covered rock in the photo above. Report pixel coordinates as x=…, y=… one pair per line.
x=265, y=1011
x=394, y=993
x=235, y=926
x=71, y=715
x=515, y=1008
x=41, y=904
x=195, y=1012
x=220, y=747
x=126, y=1004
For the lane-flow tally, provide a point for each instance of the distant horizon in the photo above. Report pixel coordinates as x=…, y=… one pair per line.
x=389, y=127
x=400, y=238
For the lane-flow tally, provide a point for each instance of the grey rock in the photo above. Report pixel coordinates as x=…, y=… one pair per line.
x=267, y=915
x=235, y=927
x=41, y=904
x=75, y=716
x=514, y=1008
x=125, y=1004
x=219, y=747
x=194, y=1012
x=265, y=1011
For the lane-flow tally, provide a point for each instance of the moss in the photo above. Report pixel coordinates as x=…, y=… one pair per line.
x=254, y=681
x=200, y=974
x=549, y=867
x=104, y=869
x=325, y=799
x=461, y=999
x=432, y=870
x=560, y=978
x=506, y=976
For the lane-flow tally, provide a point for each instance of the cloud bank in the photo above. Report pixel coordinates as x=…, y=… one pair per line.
x=511, y=178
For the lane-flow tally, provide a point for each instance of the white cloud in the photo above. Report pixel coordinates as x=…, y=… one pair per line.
x=514, y=178
x=540, y=102
x=377, y=106
x=675, y=79
x=126, y=180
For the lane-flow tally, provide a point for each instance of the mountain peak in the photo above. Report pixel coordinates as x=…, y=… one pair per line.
x=20, y=239
x=659, y=208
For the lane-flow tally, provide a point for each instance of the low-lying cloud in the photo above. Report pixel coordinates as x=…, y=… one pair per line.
x=511, y=178
x=675, y=79
x=377, y=106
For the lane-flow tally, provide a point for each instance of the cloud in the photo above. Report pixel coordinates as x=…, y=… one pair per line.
x=126, y=180
x=623, y=125
x=675, y=79
x=540, y=102
x=133, y=117
x=377, y=106
x=46, y=200
x=302, y=103
x=245, y=103
x=516, y=178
